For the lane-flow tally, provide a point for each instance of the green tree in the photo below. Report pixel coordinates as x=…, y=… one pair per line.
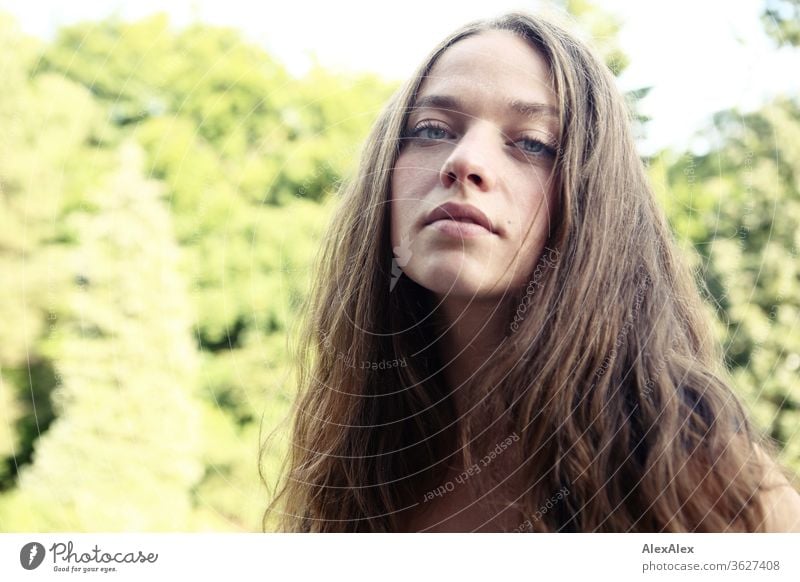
x=781, y=19
x=123, y=451
x=44, y=152
x=737, y=210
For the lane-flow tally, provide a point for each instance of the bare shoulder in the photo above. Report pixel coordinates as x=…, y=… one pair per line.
x=780, y=499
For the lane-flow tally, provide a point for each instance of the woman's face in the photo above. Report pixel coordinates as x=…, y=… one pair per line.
x=473, y=141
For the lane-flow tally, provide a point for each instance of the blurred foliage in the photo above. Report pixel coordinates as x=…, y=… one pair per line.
x=162, y=194
x=736, y=209
x=781, y=20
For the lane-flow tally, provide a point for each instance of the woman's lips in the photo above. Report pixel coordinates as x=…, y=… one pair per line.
x=459, y=228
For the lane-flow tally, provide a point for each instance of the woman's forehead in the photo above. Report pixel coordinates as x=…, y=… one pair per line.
x=491, y=65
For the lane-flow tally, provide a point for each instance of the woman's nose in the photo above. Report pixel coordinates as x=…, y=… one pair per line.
x=470, y=159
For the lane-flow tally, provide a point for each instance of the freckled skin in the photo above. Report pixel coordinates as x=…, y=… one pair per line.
x=484, y=156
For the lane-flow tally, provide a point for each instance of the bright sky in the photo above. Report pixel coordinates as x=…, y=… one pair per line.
x=700, y=56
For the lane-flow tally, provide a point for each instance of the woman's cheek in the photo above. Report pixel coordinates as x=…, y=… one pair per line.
x=402, y=220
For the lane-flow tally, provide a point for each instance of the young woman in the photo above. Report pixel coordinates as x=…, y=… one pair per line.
x=501, y=335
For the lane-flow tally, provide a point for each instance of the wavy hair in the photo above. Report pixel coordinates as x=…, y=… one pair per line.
x=612, y=379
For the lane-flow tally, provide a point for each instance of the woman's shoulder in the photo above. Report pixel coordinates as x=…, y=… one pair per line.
x=780, y=499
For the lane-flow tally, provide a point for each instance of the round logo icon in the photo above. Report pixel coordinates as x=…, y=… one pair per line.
x=31, y=555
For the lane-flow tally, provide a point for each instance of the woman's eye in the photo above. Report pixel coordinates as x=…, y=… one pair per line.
x=536, y=147
x=428, y=131
x=434, y=132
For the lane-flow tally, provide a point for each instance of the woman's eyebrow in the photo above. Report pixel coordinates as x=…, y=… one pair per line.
x=448, y=102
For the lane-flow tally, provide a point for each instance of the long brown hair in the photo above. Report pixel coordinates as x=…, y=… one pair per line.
x=611, y=380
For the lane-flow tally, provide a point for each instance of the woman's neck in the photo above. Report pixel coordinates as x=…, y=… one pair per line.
x=471, y=332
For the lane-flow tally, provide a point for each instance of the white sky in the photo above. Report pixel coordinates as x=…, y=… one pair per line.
x=700, y=56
